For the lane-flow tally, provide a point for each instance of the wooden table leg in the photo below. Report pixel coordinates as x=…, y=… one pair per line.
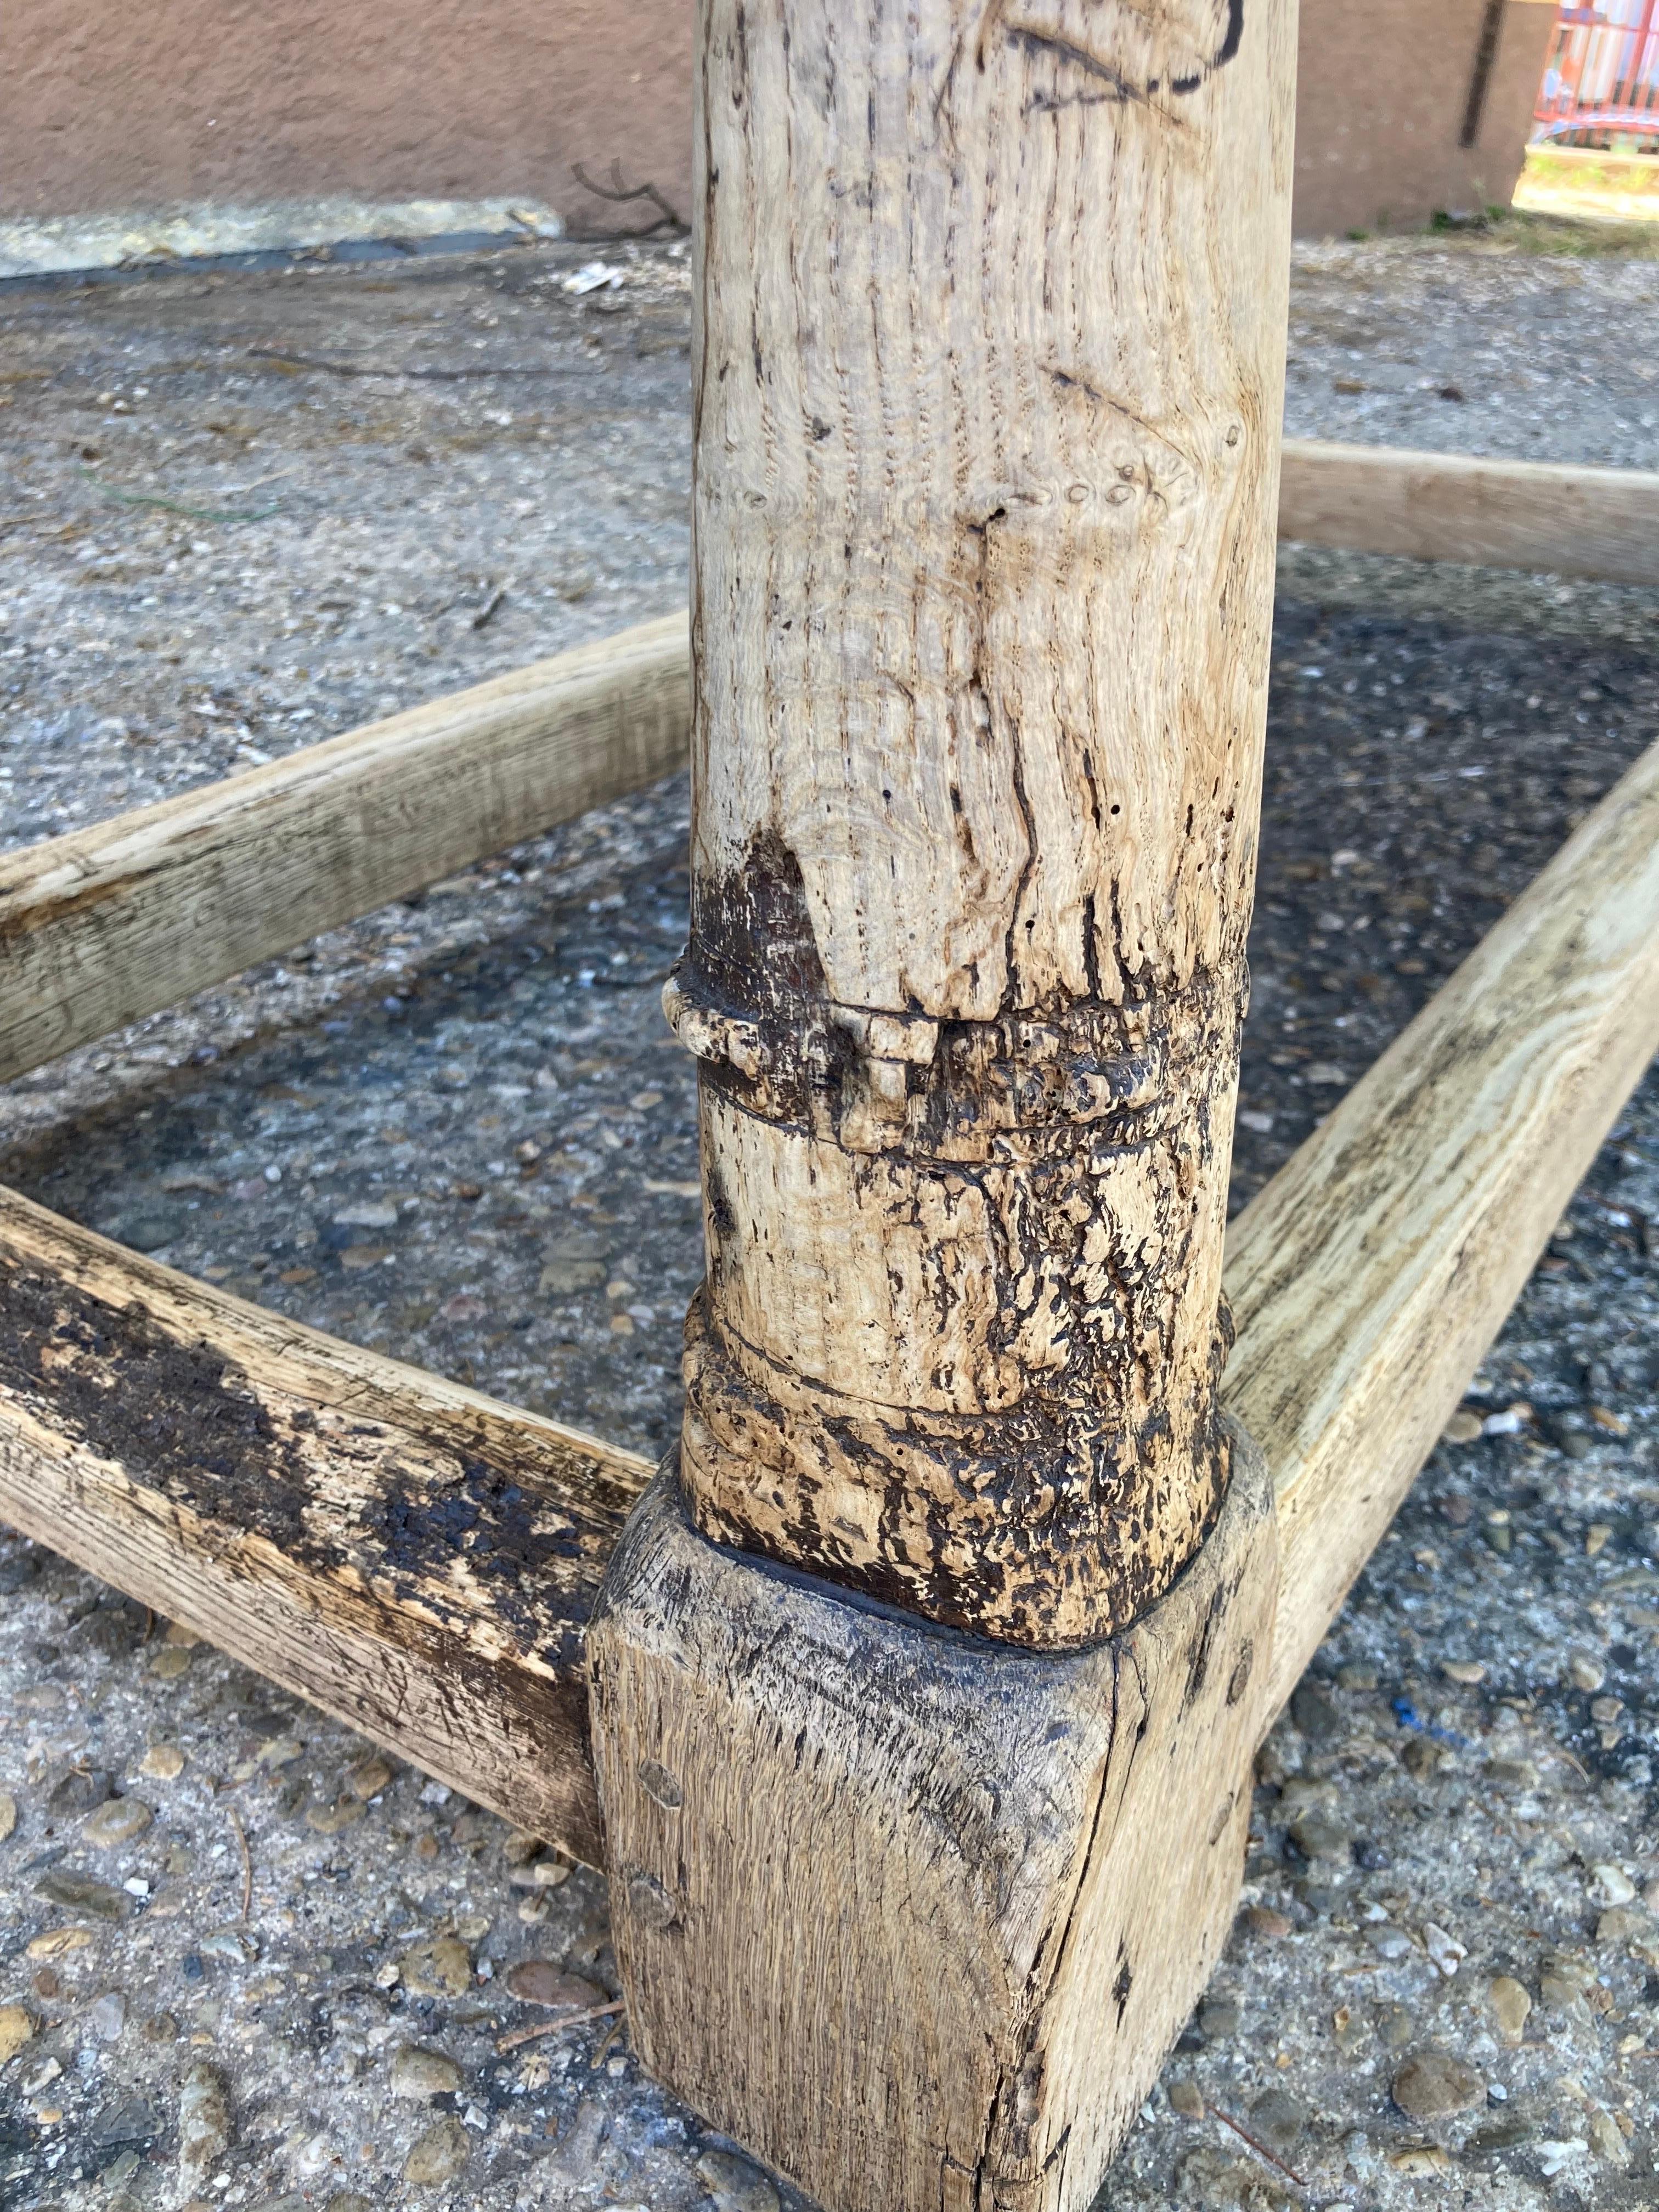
x=924, y=1686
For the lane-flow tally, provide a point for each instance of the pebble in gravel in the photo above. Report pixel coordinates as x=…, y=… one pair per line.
x=204, y=2123
x=439, y=2156
x=440, y=1968
x=1279, y=2119
x=1431, y=2085
x=1509, y=2004
x=734, y=2185
x=415, y=2072
x=119, y=1820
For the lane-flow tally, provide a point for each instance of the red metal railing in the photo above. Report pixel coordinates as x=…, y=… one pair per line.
x=1603, y=76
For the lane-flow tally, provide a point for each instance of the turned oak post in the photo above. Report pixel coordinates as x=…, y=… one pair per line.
x=911, y=1895
x=990, y=311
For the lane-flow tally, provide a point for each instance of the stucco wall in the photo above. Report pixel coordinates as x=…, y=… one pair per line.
x=1382, y=90
x=114, y=105
x=109, y=105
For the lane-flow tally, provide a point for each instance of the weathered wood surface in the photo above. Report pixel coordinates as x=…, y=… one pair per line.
x=1367, y=1279
x=988, y=378
x=1450, y=507
x=1370, y=1276
x=122, y=919
x=840, y=1837
x=119, y=920
x=409, y=1555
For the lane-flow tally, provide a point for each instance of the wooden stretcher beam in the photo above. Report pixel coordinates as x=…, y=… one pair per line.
x=324, y=1514
x=114, y=922
x=1370, y=1274
x=117, y=922
x=412, y=1556
x=1575, y=521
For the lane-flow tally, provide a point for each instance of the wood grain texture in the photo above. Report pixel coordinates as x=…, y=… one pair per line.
x=987, y=371
x=1371, y=1273
x=411, y=1556
x=120, y=920
x=913, y=1915
x=1368, y=1279
x=1450, y=507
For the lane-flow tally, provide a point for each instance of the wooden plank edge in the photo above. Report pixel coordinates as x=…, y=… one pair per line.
x=1364, y=1298
x=1571, y=521
x=409, y=1555
x=108, y=924
x=112, y=923
x=1370, y=1275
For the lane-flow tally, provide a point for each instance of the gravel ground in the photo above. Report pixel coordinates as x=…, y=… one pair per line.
x=458, y=1132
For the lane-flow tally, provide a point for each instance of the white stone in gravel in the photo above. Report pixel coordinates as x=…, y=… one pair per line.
x=1611, y=1884
x=203, y=2123
x=1509, y=1423
x=367, y=1213
x=1443, y=1948
x=1554, y=2156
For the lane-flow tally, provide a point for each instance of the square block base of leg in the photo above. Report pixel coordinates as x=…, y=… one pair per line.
x=913, y=1916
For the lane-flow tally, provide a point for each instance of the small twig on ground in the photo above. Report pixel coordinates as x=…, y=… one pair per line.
x=247, y=1860
x=1261, y=2149
x=608, y=2044
x=384, y=368
x=521, y=2035
x=617, y=190
x=178, y=507
x=487, y=612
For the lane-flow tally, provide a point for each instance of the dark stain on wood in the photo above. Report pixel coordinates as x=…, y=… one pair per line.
x=467, y=1551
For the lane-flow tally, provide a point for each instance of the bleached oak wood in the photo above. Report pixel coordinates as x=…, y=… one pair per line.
x=120, y=920
x=412, y=1556
x=1368, y=1270
x=913, y=1915
x=987, y=371
x=1450, y=507
x=1371, y=1273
